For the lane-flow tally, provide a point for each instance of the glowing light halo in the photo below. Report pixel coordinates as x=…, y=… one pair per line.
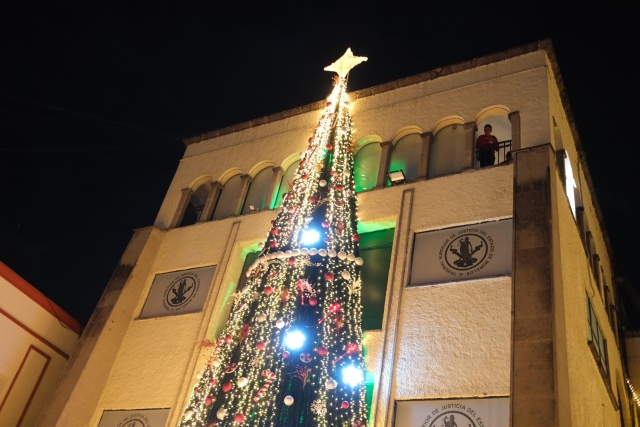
x=352, y=375
x=309, y=237
x=294, y=339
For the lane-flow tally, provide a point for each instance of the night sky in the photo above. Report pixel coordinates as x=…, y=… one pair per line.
x=94, y=99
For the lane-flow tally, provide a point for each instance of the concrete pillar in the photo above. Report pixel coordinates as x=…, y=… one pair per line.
x=514, y=117
x=215, y=188
x=242, y=193
x=385, y=158
x=533, y=377
x=427, y=138
x=470, y=145
x=274, y=187
x=182, y=206
x=383, y=403
x=78, y=392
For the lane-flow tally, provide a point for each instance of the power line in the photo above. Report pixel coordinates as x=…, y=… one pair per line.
x=10, y=95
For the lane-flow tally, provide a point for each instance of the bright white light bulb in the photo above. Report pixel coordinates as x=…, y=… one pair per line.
x=309, y=237
x=294, y=340
x=352, y=375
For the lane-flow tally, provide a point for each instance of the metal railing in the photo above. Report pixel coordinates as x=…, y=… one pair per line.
x=501, y=155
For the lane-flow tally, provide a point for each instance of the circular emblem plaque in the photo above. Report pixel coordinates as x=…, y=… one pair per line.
x=181, y=291
x=466, y=251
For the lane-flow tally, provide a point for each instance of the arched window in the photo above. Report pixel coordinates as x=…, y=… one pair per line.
x=501, y=129
x=257, y=195
x=366, y=165
x=447, y=151
x=406, y=156
x=226, y=203
x=284, y=183
x=196, y=203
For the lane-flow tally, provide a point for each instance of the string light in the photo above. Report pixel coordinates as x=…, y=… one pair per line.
x=263, y=337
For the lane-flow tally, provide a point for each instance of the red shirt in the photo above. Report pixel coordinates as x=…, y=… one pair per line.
x=487, y=143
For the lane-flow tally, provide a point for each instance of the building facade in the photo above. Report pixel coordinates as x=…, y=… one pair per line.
x=488, y=292
x=37, y=338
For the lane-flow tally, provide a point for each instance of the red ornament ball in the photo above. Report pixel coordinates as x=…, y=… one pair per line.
x=302, y=163
x=329, y=147
x=328, y=275
x=228, y=338
x=285, y=354
x=227, y=386
x=313, y=301
x=311, y=140
x=213, y=381
x=313, y=199
x=273, y=222
x=261, y=345
x=239, y=418
x=339, y=187
x=356, y=237
x=325, y=224
x=273, y=244
x=197, y=389
x=274, y=231
x=332, y=173
x=322, y=351
x=268, y=290
x=345, y=404
x=328, y=104
x=304, y=177
x=292, y=260
x=208, y=400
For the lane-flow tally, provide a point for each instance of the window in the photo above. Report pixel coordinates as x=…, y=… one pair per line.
x=226, y=203
x=366, y=166
x=447, y=151
x=196, y=204
x=570, y=184
x=501, y=129
x=406, y=156
x=375, y=250
x=257, y=195
x=596, y=340
x=284, y=183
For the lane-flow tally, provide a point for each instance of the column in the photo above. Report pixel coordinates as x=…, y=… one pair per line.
x=385, y=157
x=242, y=193
x=274, y=187
x=533, y=357
x=182, y=206
x=215, y=188
x=470, y=145
x=427, y=138
x=514, y=117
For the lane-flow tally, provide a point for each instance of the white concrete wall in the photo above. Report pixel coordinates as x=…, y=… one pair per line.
x=519, y=84
x=29, y=333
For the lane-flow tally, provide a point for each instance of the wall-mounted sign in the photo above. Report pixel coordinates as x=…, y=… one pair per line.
x=139, y=418
x=485, y=412
x=178, y=292
x=462, y=253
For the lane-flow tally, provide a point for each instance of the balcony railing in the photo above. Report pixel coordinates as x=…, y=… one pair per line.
x=501, y=155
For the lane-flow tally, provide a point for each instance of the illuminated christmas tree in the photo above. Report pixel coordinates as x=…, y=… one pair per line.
x=291, y=351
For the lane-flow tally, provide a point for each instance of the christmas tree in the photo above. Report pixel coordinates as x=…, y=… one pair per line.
x=291, y=351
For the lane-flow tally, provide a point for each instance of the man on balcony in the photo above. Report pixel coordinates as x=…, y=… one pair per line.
x=486, y=145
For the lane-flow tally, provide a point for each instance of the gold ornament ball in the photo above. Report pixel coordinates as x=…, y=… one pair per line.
x=288, y=400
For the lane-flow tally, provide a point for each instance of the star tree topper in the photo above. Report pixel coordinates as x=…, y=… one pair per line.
x=345, y=63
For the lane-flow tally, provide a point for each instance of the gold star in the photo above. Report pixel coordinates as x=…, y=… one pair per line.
x=345, y=63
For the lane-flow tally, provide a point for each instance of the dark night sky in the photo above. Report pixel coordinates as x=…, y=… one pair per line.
x=94, y=98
